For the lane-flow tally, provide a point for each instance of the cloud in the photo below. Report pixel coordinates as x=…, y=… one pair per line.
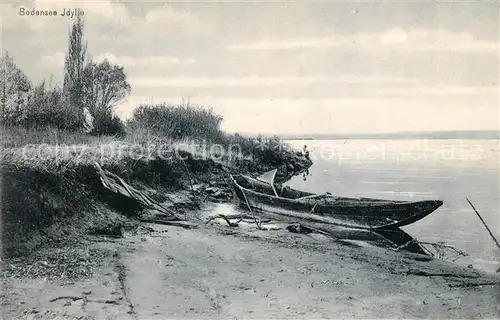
x=393, y=39
x=394, y=36
x=51, y=62
x=435, y=40
x=258, y=81
x=144, y=62
x=440, y=91
x=9, y=17
x=285, y=44
x=168, y=20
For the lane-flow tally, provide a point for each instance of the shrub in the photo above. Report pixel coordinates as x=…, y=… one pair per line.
x=105, y=123
x=179, y=122
x=50, y=108
x=198, y=123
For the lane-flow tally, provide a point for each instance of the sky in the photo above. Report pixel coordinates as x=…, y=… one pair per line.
x=286, y=67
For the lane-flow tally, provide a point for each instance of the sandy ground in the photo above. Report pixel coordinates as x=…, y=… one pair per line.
x=240, y=272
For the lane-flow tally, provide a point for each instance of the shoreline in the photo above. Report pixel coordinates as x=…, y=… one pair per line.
x=128, y=268
x=219, y=271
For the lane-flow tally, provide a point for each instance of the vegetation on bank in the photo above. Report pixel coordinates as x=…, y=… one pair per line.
x=50, y=189
x=51, y=137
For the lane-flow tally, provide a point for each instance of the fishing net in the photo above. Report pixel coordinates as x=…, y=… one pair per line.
x=439, y=250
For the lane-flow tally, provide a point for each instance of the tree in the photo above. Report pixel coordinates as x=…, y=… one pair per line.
x=74, y=66
x=14, y=91
x=103, y=87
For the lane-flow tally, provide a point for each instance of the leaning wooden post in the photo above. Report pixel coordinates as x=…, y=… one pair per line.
x=484, y=223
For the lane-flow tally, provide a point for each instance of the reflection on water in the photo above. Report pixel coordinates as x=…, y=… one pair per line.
x=449, y=170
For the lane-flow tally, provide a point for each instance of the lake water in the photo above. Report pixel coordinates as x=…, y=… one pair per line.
x=448, y=170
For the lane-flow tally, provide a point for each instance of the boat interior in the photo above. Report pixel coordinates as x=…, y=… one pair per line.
x=289, y=193
x=264, y=187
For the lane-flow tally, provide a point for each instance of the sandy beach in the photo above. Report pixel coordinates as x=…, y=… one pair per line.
x=224, y=272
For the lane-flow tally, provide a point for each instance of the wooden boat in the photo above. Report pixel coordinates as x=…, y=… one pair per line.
x=261, y=195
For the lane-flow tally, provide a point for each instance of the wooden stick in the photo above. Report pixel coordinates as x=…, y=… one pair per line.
x=250, y=208
x=183, y=224
x=231, y=224
x=189, y=177
x=484, y=223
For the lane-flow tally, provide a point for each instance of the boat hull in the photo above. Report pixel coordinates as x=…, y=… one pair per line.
x=348, y=212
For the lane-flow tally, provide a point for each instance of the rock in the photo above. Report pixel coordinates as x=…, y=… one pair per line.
x=470, y=266
x=197, y=187
x=297, y=228
x=211, y=189
x=217, y=194
x=110, y=230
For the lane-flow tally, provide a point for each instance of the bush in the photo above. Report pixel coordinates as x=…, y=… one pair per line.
x=179, y=122
x=198, y=123
x=105, y=123
x=50, y=108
